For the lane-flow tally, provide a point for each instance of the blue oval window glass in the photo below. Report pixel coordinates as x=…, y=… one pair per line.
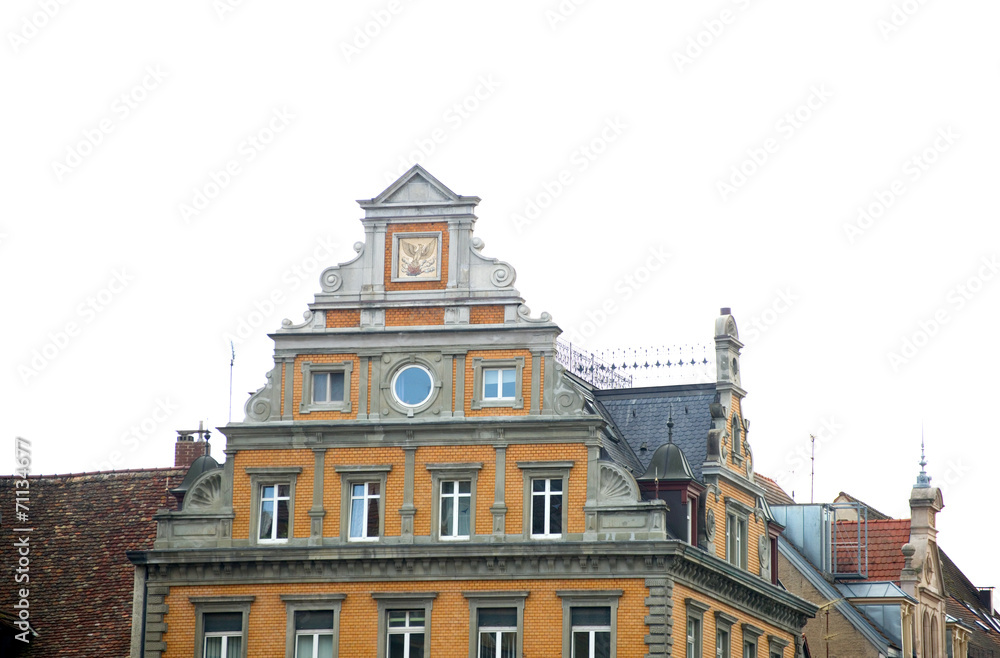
x=412, y=386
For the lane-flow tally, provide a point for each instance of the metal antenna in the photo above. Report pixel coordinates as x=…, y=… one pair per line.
x=812, y=469
x=232, y=358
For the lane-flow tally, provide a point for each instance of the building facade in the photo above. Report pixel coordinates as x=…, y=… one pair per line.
x=420, y=476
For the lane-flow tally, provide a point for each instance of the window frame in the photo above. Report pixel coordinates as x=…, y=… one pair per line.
x=738, y=433
x=454, y=472
x=740, y=513
x=351, y=474
x=724, y=625
x=495, y=599
x=479, y=399
x=310, y=368
x=598, y=598
x=776, y=646
x=263, y=476
x=305, y=602
x=549, y=470
x=211, y=604
x=387, y=601
x=751, y=637
x=695, y=615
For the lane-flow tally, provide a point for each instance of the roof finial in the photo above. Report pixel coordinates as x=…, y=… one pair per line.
x=670, y=424
x=923, y=480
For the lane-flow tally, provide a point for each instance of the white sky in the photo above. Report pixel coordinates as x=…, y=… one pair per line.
x=672, y=130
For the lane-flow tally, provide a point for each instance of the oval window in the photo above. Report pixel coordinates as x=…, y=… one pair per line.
x=412, y=386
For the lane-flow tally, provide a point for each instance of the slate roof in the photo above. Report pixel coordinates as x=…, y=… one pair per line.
x=773, y=493
x=964, y=604
x=885, y=543
x=640, y=414
x=81, y=581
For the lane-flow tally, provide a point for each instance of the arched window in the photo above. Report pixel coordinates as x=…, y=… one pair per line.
x=925, y=636
x=935, y=638
x=737, y=432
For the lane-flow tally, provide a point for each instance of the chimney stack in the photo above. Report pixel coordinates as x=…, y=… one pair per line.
x=191, y=444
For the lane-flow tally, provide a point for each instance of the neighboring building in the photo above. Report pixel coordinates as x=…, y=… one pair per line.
x=421, y=476
x=883, y=585
x=80, y=583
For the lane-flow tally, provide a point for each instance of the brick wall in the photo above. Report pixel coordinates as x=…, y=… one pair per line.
x=242, y=493
x=486, y=315
x=417, y=228
x=577, y=490
x=525, y=382
x=297, y=386
x=450, y=623
x=348, y=317
x=412, y=316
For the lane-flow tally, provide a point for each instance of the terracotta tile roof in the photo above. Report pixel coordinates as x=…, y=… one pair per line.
x=773, y=493
x=81, y=581
x=885, y=543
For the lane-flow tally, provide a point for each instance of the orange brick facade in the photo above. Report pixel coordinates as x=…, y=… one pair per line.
x=450, y=623
x=391, y=285
x=343, y=318
x=470, y=382
x=413, y=316
x=486, y=315
x=297, y=386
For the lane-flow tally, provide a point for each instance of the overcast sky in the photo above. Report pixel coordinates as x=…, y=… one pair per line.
x=827, y=170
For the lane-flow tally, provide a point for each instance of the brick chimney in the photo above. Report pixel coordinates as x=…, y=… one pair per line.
x=191, y=444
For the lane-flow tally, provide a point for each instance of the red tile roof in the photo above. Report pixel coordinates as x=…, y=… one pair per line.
x=885, y=543
x=81, y=581
x=773, y=493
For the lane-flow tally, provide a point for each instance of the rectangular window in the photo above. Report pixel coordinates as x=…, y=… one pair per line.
x=721, y=643
x=365, y=497
x=749, y=649
x=328, y=387
x=736, y=540
x=546, y=507
x=274, y=501
x=591, y=628
x=314, y=634
x=693, y=638
x=405, y=634
x=497, y=632
x=456, y=509
x=223, y=634
x=499, y=383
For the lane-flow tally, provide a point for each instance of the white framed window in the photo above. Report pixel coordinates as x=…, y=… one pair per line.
x=366, y=500
x=546, y=486
x=723, y=634
x=273, y=503
x=546, y=507
x=326, y=386
x=412, y=385
x=274, y=517
x=751, y=634
x=456, y=509
x=590, y=623
x=695, y=623
x=737, y=540
x=591, y=631
x=496, y=623
x=749, y=649
x=405, y=630
x=221, y=624
x=362, y=495
x=497, y=383
x=313, y=625
x=497, y=629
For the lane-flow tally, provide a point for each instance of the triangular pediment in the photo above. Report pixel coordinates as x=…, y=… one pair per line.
x=416, y=186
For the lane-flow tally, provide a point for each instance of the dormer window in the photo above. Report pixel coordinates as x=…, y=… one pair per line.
x=737, y=434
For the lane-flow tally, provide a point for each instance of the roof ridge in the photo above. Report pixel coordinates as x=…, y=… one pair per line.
x=124, y=471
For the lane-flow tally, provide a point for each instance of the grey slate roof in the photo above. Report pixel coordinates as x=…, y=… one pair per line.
x=640, y=414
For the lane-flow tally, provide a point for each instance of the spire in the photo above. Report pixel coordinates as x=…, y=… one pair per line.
x=923, y=480
x=670, y=424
